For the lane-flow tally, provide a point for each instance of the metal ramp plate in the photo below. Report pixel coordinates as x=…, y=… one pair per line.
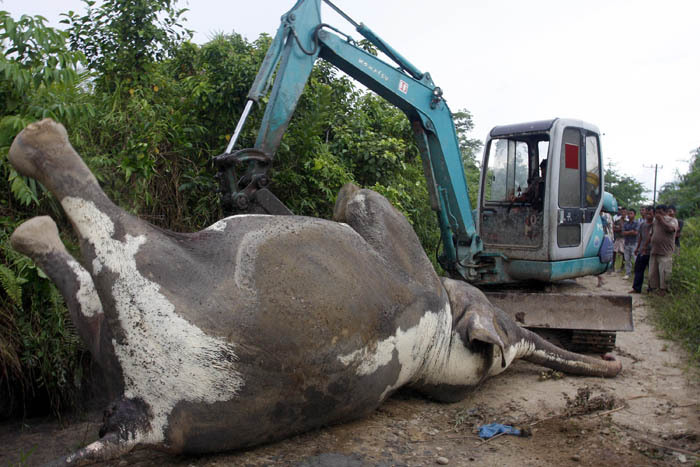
x=567, y=311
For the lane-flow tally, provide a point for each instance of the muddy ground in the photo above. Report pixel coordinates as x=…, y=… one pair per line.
x=648, y=415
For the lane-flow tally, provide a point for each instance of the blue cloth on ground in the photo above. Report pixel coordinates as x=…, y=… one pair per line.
x=492, y=429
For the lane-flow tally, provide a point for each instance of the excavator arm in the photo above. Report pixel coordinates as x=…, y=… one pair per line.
x=300, y=40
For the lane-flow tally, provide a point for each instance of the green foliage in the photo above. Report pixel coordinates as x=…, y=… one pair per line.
x=122, y=39
x=627, y=190
x=678, y=314
x=469, y=148
x=39, y=75
x=39, y=355
x=684, y=193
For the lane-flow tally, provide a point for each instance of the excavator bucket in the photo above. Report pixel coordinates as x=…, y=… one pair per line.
x=581, y=322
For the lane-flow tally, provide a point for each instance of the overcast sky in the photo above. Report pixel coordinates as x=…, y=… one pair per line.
x=630, y=67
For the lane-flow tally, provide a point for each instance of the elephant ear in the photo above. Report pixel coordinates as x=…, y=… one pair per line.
x=474, y=318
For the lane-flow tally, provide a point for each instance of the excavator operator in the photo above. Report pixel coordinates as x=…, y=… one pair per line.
x=534, y=194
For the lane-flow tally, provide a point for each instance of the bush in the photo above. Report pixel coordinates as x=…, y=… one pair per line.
x=678, y=314
x=40, y=355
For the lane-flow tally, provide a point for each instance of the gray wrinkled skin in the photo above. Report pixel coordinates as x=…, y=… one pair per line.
x=259, y=327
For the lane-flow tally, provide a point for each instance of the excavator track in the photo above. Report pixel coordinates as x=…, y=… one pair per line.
x=579, y=341
x=591, y=341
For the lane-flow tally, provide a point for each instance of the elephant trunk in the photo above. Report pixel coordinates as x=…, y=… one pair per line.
x=542, y=352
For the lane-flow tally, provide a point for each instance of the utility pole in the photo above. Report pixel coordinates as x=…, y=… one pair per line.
x=656, y=168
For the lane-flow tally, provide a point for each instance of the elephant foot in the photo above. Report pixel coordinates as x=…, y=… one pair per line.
x=42, y=151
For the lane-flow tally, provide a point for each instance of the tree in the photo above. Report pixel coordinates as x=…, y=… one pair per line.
x=122, y=39
x=469, y=148
x=38, y=74
x=627, y=190
x=684, y=192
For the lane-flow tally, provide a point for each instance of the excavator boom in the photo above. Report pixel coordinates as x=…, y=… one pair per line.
x=300, y=40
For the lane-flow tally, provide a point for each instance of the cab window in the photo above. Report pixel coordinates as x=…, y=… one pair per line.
x=592, y=171
x=512, y=164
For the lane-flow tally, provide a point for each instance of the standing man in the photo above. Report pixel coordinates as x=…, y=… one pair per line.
x=663, y=242
x=607, y=221
x=629, y=233
x=672, y=213
x=643, y=248
x=619, y=244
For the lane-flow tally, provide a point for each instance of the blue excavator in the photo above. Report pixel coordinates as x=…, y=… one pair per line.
x=541, y=192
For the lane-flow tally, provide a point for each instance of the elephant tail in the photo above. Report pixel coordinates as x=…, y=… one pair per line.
x=542, y=352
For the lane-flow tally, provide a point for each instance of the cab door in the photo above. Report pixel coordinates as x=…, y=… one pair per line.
x=507, y=225
x=579, y=192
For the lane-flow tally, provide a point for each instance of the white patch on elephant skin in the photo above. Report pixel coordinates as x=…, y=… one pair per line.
x=445, y=360
x=418, y=349
x=562, y=361
x=221, y=224
x=520, y=349
x=96, y=266
x=218, y=226
x=89, y=301
x=461, y=367
x=165, y=359
x=91, y=448
x=360, y=199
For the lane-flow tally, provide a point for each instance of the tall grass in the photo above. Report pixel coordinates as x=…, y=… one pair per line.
x=678, y=313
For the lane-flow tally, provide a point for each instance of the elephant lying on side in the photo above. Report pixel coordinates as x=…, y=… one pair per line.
x=259, y=327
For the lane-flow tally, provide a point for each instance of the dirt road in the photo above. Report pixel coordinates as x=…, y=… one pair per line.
x=648, y=415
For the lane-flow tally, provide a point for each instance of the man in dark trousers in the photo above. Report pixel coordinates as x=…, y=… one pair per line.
x=643, y=248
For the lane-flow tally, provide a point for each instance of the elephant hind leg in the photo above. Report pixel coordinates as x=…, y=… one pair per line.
x=38, y=238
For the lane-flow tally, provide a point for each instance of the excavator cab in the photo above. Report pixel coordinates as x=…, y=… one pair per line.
x=540, y=198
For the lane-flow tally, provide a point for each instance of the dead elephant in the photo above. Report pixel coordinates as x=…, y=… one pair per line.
x=259, y=327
